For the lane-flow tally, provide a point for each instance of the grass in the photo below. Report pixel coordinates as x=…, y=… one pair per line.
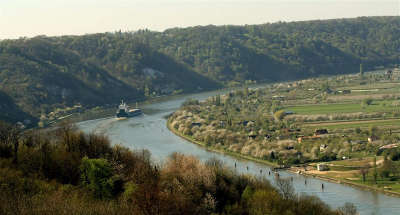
x=348, y=171
x=356, y=162
x=340, y=108
x=383, y=85
x=357, y=124
x=342, y=168
x=380, y=183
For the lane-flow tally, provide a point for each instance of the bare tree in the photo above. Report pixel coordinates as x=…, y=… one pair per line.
x=285, y=187
x=4, y=128
x=364, y=171
x=65, y=131
x=14, y=136
x=348, y=209
x=10, y=135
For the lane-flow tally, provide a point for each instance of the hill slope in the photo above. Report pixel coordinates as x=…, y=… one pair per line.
x=42, y=73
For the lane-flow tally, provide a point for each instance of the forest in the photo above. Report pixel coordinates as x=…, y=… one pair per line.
x=65, y=171
x=43, y=73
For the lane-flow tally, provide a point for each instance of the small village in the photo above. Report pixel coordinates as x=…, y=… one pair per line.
x=346, y=128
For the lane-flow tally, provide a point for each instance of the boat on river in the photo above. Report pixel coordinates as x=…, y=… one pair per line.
x=124, y=111
x=161, y=144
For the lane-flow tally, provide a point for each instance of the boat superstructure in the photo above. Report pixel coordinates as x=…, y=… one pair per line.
x=124, y=111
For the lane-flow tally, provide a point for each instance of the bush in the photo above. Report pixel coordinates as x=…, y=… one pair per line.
x=279, y=115
x=96, y=175
x=189, y=102
x=366, y=102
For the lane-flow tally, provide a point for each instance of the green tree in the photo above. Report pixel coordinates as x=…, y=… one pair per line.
x=247, y=193
x=387, y=167
x=97, y=176
x=366, y=102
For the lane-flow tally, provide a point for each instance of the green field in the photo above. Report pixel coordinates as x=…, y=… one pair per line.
x=341, y=108
x=357, y=124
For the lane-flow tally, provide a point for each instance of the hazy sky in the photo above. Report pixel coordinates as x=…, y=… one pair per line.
x=60, y=17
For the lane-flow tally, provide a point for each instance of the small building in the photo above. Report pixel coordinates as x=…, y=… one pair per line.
x=20, y=125
x=389, y=74
x=267, y=137
x=321, y=131
x=252, y=135
x=290, y=130
x=289, y=147
x=322, y=167
x=196, y=124
x=372, y=138
x=322, y=147
x=278, y=97
x=251, y=123
x=300, y=138
x=244, y=123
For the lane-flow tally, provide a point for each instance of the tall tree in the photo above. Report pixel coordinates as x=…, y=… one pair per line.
x=375, y=171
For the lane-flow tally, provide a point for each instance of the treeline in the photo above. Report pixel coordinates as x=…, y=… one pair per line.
x=65, y=171
x=43, y=72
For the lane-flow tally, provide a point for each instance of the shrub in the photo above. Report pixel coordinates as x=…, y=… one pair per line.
x=96, y=175
x=279, y=115
x=366, y=102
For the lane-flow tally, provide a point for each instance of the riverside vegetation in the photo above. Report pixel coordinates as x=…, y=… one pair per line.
x=42, y=78
x=64, y=171
x=349, y=122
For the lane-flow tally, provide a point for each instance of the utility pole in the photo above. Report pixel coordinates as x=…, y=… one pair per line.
x=361, y=70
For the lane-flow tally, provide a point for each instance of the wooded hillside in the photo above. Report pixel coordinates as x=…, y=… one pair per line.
x=42, y=73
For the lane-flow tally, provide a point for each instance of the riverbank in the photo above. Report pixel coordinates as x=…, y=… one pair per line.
x=343, y=181
x=233, y=154
x=295, y=170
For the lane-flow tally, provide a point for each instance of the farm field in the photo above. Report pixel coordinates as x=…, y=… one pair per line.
x=309, y=122
x=392, y=123
x=376, y=106
x=348, y=170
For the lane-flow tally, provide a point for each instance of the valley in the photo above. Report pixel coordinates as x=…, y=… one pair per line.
x=298, y=125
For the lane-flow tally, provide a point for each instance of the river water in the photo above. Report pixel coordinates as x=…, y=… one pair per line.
x=150, y=132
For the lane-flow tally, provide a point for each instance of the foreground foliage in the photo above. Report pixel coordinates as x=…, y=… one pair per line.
x=68, y=172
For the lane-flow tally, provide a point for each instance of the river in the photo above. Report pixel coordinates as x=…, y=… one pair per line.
x=150, y=132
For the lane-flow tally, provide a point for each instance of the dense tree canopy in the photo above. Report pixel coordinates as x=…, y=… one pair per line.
x=43, y=72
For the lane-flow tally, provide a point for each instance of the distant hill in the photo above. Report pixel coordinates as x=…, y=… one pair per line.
x=42, y=73
x=10, y=112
